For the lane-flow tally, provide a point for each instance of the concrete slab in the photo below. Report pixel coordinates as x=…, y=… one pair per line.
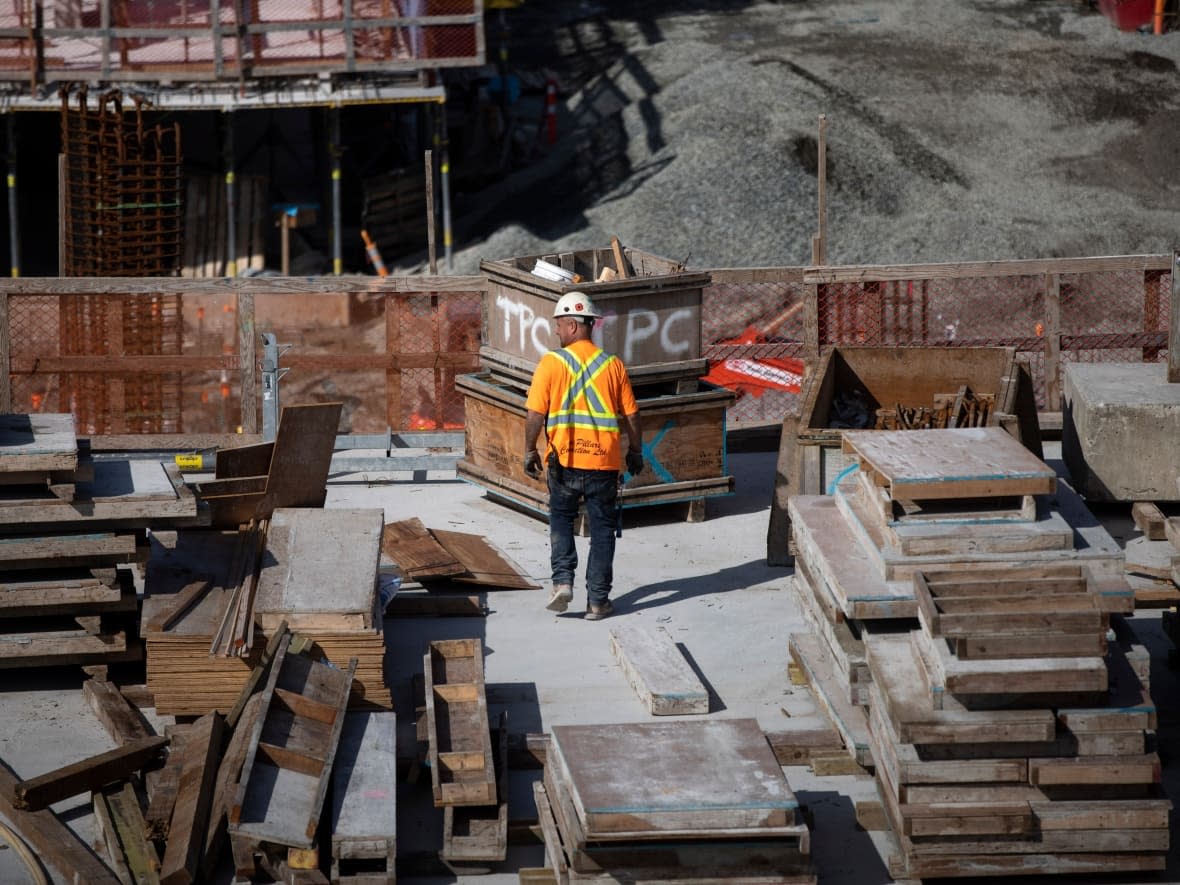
x=1120, y=425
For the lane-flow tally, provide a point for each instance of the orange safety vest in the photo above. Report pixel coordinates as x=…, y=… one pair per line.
x=582, y=391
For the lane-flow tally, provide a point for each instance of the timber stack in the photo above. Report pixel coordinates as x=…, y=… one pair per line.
x=71, y=534
x=1009, y=726
x=892, y=388
x=711, y=804
x=313, y=570
x=651, y=320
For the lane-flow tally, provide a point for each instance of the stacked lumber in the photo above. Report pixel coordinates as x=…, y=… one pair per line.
x=1007, y=733
x=67, y=594
x=680, y=801
x=468, y=779
x=437, y=557
x=317, y=574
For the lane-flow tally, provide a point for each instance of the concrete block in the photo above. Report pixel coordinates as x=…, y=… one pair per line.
x=1120, y=431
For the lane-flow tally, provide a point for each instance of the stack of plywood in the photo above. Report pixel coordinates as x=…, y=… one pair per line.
x=679, y=801
x=318, y=575
x=1007, y=735
x=926, y=500
x=67, y=541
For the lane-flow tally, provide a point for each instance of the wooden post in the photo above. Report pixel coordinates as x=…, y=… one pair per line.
x=811, y=343
x=194, y=800
x=393, y=375
x=1052, y=342
x=819, y=243
x=5, y=356
x=86, y=775
x=1174, y=322
x=430, y=233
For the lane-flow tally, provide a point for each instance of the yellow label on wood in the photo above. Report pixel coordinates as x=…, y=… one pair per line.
x=190, y=462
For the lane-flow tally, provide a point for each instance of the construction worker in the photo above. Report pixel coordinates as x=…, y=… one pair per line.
x=582, y=398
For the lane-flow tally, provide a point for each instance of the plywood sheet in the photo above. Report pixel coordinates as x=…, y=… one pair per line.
x=411, y=546
x=673, y=775
x=319, y=569
x=485, y=563
x=364, y=787
x=976, y=462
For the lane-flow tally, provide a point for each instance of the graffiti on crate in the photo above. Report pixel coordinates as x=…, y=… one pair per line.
x=631, y=332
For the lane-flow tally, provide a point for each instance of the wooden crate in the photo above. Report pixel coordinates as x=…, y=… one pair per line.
x=652, y=319
x=810, y=457
x=683, y=438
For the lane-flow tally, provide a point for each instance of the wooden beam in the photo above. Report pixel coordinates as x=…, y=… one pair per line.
x=54, y=842
x=963, y=269
x=192, y=593
x=120, y=807
x=122, y=721
x=228, y=773
x=194, y=799
x=1052, y=333
x=158, y=820
x=88, y=774
x=257, y=285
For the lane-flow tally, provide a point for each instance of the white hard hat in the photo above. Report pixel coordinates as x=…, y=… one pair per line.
x=575, y=304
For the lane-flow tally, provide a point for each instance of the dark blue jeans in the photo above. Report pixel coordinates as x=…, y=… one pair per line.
x=568, y=487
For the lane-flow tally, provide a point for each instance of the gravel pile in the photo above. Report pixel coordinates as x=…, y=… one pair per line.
x=956, y=131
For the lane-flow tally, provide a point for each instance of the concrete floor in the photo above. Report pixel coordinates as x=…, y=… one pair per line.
x=706, y=583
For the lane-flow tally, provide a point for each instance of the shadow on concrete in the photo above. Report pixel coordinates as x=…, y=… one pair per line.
x=849, y=859
x=716, y=705
x=736, y=577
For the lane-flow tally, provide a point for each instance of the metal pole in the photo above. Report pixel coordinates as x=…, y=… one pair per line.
x=231, y=202
x=444, y=168
x=13, y=214
x=335, y=151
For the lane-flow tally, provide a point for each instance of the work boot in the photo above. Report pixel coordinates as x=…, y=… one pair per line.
x=560, y=598
x=598, y=612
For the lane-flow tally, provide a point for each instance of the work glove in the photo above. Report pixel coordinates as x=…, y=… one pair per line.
x=634, y=463
x=532, y=464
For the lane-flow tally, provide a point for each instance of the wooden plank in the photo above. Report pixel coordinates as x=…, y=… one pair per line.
x=40, y=441
x=179, y=605
x=258, y=675
x=122, y=808
x=94, y=549
x=162, y=801
x=108, y=840
x=710, y=776
x=847, y=718
x=1150, y=520
x=122, y=722
x=485, y=564
x=977, y=462
x=965, y=269
x=194, y=798
x=798, y=745
x=89, y=774
x=55, y=843
x=416, y=552
x=319, y=570
x=364, y=795
x=228, y=772
x=657, y=670
x=908, y=706
x=1143, y=769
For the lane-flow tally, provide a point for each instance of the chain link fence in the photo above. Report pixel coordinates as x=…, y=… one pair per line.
x=225, y=39
x=170, y=361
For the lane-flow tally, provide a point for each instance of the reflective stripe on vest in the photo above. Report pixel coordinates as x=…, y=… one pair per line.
x=595, y=416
